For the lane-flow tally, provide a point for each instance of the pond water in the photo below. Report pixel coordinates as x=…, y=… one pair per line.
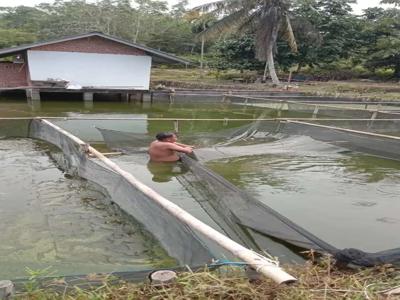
x=350, y=200
x=347, y=199
x=49, y=219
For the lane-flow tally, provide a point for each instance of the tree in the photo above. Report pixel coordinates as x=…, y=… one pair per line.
x=382, y=31
x=200, y=22
x=236, y=53
x=265, y=17
x=394, y=2
x=15, y=37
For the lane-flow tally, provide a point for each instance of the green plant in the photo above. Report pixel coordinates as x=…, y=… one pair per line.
x=384, y=73
x=33, y=283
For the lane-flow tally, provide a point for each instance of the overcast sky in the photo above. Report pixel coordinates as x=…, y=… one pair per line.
x=362, y=4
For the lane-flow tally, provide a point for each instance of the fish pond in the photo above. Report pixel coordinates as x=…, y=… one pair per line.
x=49, y=218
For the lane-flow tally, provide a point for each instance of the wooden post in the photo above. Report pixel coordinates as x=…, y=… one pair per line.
x=172, y=96
x=33, y=94
x=176, y=126
x=162, y=277
x=88, y=96
x=315, y=113
x=125, y=97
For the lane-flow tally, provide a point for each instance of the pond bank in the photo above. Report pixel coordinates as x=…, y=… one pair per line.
x=201, y=79
x=316, y=281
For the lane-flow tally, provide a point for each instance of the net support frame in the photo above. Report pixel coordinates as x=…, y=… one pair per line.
x=260, y=263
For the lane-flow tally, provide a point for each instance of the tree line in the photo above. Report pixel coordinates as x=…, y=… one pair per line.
x=317, y=37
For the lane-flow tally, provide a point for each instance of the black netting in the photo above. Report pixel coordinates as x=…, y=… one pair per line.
x=321, y=109
x=234, y=211
x=14, y=128
x=177, y=238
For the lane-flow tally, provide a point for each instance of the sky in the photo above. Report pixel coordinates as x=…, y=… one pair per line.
x=362, y=4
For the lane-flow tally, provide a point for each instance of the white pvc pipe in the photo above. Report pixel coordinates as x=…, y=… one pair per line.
x=347, y=130
x=258, y=262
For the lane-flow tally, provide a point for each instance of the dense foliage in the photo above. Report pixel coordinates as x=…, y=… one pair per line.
x=331, y=40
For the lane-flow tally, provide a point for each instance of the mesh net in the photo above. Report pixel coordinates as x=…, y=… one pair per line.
x=239, y=215
x=379, y=145
x=355, y=110
x=130, y=142
x=177, y=238
x=14, y=128
x=241, y=211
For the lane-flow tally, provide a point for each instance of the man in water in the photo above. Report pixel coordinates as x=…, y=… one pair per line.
x=165, y=148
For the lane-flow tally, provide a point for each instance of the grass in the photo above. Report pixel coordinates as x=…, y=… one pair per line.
x=206, y=79
x=315, y=281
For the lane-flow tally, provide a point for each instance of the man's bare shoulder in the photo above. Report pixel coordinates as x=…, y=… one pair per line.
x=161, y=144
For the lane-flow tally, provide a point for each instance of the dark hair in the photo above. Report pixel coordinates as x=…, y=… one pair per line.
x=164, y=135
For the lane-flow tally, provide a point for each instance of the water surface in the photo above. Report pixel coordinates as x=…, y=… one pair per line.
x=66, y=223
x=347, y=199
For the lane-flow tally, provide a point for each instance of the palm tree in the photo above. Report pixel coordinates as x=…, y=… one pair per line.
x=267, y=17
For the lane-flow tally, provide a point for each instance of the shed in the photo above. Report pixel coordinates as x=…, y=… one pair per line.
x=87, y=63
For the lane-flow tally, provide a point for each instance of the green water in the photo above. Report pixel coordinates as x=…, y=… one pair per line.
x=348, y=199
x=65, y=223
x=21, y=108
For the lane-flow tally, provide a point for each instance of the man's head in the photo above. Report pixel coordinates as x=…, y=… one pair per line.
x=166, y=137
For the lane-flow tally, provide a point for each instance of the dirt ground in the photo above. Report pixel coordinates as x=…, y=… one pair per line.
x=201, y=79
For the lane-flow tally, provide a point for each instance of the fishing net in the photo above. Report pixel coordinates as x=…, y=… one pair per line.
x=287, y=108
x=375, y=137
x=238, y=214
x=14, y=128
x=176, y=238
x=361, y=141
x=238, y=210
x=130, y=142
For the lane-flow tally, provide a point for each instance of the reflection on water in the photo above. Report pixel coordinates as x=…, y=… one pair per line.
x=371, y=169
x=350, y=201
x=20, y=108
x=48, y=220
x=164, y=171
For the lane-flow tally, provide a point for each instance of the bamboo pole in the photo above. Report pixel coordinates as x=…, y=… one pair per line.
x=348, y=130
x=260, y=263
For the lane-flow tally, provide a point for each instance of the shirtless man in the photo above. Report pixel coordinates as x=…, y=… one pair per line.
x=165, y=148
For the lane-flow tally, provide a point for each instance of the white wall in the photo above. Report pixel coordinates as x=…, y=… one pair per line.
x=112, y=71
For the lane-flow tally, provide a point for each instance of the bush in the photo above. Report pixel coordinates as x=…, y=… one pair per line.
x=384, y=73
x=230, y=74
x=342, y=70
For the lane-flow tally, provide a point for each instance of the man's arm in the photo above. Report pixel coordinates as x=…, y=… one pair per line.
x=179, y=148
x=184, y=145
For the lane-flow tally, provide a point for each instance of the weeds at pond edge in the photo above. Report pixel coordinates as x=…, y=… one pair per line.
x=315, y=281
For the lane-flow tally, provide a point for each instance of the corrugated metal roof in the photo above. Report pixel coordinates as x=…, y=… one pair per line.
x=159, y=56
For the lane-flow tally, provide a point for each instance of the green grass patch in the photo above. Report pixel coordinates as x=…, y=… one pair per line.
x=315, y=281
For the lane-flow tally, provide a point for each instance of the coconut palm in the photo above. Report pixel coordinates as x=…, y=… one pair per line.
x=267, y=17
